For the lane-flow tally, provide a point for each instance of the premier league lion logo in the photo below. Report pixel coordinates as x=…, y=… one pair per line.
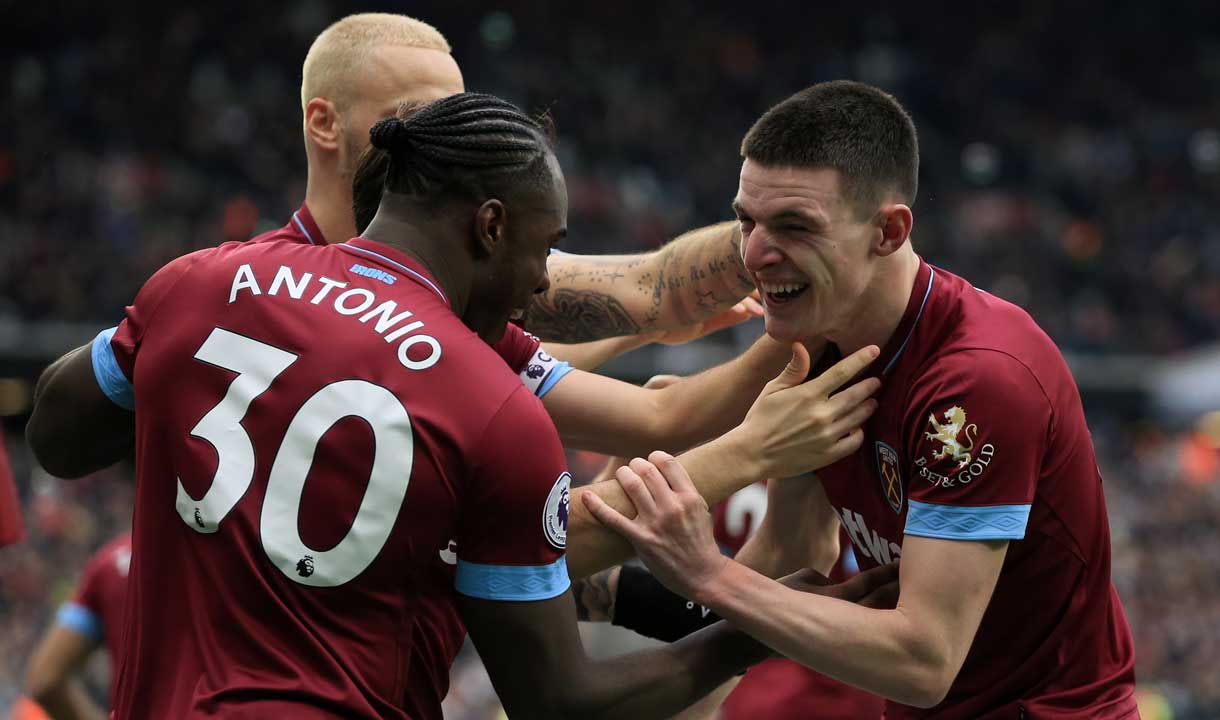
x=534, y=371
x=555, y=514
x=305, y=566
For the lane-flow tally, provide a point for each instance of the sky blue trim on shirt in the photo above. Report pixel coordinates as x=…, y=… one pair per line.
x=398, y=265
x=967, y=522
x=905, y=340
x=512, y=582
x=301, y=227
x=561, y=368
x=80, y=619
x=110, y=377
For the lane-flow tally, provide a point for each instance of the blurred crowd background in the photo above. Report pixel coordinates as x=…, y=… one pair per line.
x=1070, y=163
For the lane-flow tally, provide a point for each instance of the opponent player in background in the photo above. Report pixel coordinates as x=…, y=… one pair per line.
x=267, y=376
x=91, y=620
x=977, y=470
x=361, y=68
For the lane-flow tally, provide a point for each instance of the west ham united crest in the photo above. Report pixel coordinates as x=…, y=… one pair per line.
x=891, y=477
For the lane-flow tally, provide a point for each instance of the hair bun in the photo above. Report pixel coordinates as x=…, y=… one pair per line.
x=389, y=134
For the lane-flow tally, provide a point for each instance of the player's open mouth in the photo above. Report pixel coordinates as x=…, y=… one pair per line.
x=782, y=292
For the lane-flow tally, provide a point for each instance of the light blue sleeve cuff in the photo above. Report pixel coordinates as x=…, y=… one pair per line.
x=556, y=374
x=512, y=582
x=80, y=619
x=542, y=372
x=110, y=377
x=967, y=522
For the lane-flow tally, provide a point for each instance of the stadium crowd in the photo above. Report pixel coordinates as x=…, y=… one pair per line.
x=1061, y=171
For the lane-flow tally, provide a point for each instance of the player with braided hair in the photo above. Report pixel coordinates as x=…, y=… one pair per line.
x=337, y=475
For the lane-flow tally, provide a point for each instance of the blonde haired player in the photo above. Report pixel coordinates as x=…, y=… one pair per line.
x=363, y=66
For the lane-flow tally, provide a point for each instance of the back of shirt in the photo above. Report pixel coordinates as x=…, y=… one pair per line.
x=325, y=454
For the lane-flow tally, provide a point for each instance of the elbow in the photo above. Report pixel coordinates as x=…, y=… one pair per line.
x=41, y=439
x=930, y=674
x=926, y=691
x=50, y=449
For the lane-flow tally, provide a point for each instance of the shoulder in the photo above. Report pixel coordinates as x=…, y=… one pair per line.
x=987, y=376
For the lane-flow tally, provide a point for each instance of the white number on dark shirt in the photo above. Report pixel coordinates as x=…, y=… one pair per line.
x=257, y=365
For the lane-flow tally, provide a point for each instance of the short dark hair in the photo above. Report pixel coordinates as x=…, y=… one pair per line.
x=854, y=128
x=470, y=145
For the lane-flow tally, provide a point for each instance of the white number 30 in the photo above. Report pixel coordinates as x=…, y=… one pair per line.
x=257, y=365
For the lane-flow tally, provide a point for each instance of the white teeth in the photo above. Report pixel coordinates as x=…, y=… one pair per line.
x=782, y=287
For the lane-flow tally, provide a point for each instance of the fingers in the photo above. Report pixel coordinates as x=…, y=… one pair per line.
x=793, y=374
x=752, y=305
x=844, y=370
x=609, y=517
x=674, y=472
x=860, y=586
x=636, y=490
x=842, y=447
x=853, y=419
x=661, y=494
x=806, y=580
x=843, y=401
x=883, y=598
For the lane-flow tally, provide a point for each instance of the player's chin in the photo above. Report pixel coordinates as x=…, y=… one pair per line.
x=494, y=332
x=782, y=329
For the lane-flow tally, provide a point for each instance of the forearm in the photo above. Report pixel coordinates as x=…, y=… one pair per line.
x=800, y=530
x=697, y=275
x=69, y=701
x=708, y=404
x=880, y=651
x=661, y=682
x=591, y=355
x=718, y=469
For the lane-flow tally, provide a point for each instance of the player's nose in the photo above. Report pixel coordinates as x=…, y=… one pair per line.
x=758, y=250
x=545, y=283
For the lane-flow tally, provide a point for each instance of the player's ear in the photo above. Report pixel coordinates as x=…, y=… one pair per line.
x=322, y=123
x=894, y=227
x=490, y=226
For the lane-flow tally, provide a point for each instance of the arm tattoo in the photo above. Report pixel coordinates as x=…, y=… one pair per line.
x=578, y=316
x=594, y=598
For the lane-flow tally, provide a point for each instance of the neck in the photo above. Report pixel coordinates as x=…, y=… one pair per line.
x=881, y=306
x=419, y=241
x=329, y=198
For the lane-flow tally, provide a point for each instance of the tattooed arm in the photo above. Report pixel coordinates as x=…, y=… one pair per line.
x=694, y=277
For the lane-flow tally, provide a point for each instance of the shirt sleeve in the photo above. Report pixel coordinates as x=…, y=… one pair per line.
x=524, y=355
x=514, y=518
x=978, y=424
x=115, y=349
x=83, y=612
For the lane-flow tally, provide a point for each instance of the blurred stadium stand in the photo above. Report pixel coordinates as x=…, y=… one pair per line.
x=1071, y=164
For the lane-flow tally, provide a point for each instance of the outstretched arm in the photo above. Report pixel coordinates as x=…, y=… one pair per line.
x=694, y=277
x=594, y=412
x=910, y=654
x=793, y=427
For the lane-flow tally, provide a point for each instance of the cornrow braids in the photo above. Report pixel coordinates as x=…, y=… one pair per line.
x=469, y=144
